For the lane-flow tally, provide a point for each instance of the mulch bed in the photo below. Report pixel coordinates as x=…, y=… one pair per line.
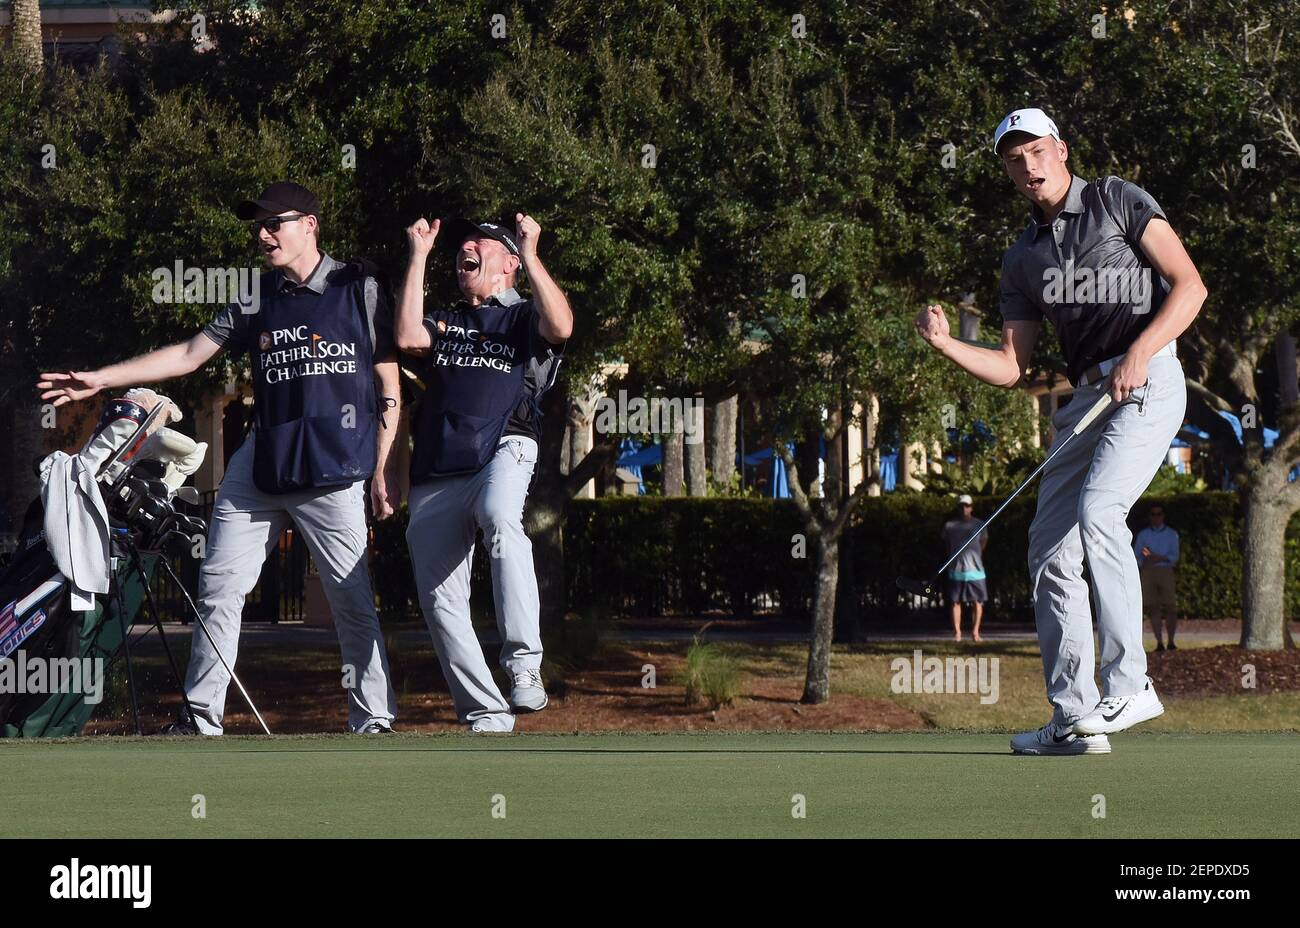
x=1219, y=671
x=607, y=696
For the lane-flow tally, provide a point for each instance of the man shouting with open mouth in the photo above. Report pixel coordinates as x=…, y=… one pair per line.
x=491, y=357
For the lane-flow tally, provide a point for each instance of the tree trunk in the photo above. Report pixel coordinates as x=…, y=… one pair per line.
x=1263, y=568
x=544, y=514
x=817, y=686
x=808, y=456
x=722, y=440
x=836, y=488
x=579, y=420
x=697, y=479
x=673, y=472
x=27, y=33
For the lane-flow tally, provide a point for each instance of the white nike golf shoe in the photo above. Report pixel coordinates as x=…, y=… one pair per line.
x=527, y=693
x=1058, y=739
x=1116, y=713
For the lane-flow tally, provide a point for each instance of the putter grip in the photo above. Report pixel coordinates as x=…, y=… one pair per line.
x=1098, y=408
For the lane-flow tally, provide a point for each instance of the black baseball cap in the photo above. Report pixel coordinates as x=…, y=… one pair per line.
x=281, y=197
x=457, y=230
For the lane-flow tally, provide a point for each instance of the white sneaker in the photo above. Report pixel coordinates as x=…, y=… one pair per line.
x=526, y=693
x=1058, y=739
x=1116, y=713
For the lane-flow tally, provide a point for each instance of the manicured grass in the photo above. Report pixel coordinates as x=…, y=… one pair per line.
x=716, y=785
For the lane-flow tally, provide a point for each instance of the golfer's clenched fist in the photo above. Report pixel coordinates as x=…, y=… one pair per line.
x=420, y=236
x=527, y=231
x=932, y=325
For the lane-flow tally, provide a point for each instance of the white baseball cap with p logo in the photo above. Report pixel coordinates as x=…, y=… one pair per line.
x=1031, y=121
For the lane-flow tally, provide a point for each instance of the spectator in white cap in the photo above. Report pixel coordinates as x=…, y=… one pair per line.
x=966, y=577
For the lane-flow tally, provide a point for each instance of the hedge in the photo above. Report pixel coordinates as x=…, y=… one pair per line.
x=651, y=556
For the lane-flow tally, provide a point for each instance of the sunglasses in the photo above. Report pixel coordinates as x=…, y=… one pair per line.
x=272, y=223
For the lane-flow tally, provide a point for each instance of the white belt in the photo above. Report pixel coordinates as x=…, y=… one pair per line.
x=1099, y=371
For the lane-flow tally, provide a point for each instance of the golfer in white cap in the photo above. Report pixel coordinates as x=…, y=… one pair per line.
x=1101, y=263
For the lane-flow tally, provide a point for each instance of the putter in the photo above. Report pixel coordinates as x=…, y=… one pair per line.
x=926, y=589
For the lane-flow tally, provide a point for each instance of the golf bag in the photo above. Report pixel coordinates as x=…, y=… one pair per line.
x=55, y=663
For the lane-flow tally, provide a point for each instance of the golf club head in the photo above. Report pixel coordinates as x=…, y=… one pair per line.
x=190, y=526
x=189, y=495
x=922, y=588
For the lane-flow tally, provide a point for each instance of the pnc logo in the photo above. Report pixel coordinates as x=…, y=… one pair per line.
x=264, y=341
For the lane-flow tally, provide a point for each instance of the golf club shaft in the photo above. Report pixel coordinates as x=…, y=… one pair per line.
x=138, y=561
x=1097, y=409
x=204, y=625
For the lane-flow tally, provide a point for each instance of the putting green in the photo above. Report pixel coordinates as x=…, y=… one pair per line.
x=941, y=785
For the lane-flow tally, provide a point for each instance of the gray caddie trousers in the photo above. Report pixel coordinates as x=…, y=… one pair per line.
x=245, y=524
x=445, y=514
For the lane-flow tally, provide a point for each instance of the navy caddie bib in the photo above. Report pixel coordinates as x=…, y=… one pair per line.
x=474, y=381
x=315, y=403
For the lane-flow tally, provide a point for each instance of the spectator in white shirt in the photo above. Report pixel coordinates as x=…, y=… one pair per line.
x=1156, y=547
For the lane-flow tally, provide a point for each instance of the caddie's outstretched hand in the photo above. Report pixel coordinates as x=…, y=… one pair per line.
x=69, y=387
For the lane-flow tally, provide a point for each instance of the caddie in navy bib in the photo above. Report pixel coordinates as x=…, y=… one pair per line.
x=476, y=379
x=315, y=403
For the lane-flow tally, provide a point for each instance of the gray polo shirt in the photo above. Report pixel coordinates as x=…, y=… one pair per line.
x=971, y=561
x=232, y=328
x=1085, y=272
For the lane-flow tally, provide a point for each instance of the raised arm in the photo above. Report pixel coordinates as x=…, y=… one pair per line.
x=1001, y=367
x=164, y=364
x=554, y=315
x=408, y=322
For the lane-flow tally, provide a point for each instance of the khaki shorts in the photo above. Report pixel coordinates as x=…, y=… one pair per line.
x=1159, y=594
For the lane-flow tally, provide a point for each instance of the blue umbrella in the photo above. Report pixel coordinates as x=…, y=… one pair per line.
x=780, y=479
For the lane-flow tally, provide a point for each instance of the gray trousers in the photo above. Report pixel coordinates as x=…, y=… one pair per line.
x=445, y=513
x=1083, y=502
x=246, y=523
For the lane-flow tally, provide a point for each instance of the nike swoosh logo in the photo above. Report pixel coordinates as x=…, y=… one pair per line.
x=1111, y=718
x=1060, y=738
